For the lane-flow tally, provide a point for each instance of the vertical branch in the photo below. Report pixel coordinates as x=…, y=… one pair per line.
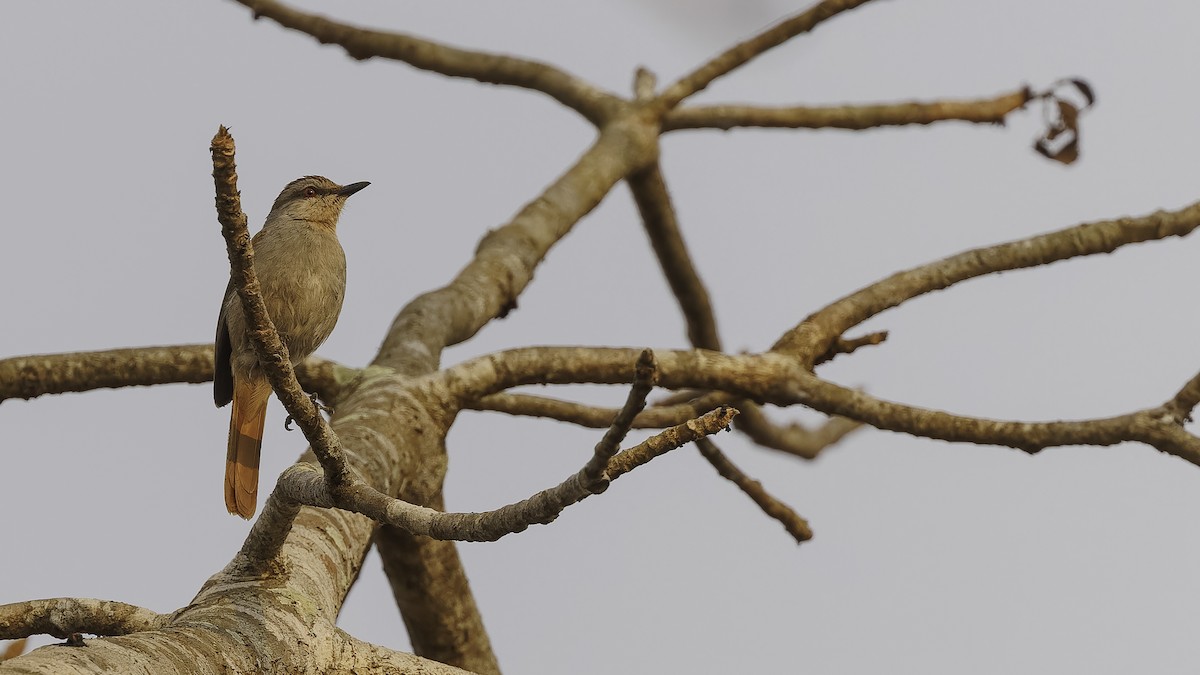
x=645, y=376
x=658, y=216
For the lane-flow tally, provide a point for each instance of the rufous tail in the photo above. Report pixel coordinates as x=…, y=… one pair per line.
x=245, y=442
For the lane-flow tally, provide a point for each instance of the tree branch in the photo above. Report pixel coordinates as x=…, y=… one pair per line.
x=857, y=117
x=743, y=52
x=645, y=374
x=27, y=377
x=303, y=483
x=662, y=227
x=784, y=380
x=1185, y=401
x=817, y=333
x=61, y=617
x=794, y=439
x=791, y=521
x=596, y=105
x=582, y=414
x=271, y=352
x=844, y=345
x=505, y=259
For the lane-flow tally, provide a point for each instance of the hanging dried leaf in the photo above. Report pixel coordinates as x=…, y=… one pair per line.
x=1060, y=141
x=1085, y=89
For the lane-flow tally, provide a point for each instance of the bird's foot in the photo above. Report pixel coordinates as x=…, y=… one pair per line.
x=287, y=423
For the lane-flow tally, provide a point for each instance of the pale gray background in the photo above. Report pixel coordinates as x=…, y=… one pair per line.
x=928, y=557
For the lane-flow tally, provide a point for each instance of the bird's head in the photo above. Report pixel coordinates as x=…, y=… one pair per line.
x=314, y=199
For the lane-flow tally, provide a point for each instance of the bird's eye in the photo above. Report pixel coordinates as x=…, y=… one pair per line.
x=310, y=191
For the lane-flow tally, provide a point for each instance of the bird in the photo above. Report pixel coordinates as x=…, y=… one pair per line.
x=301, y=269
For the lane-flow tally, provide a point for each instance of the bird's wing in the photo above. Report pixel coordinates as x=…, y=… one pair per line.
x=223, y=350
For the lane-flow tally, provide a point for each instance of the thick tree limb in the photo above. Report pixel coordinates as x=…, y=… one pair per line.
x=364, y=657
x=596, y=105
x=978, y=111
x=437, y=606
x=506, y=258
x=61, y=617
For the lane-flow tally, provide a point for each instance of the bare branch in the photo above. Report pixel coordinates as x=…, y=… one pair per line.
x=584, y=415
x=658, y=216
x=794, y=439
x=783, y=380
x=32, y=376
x=1186, y=400
x=271, y=352
x=791, y=521
x=661, y=444
x=817, y=333
x=1154, y=426
x=978, y=111
x=506, y=258
x=644, y=376
x=304, y=484
x=741, y=53
x=596, y=105
x=27, y=377
x=61, y=617
x=843, y=345
x=438, y=607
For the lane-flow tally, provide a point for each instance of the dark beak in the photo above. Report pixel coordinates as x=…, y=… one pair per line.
x=352, y=188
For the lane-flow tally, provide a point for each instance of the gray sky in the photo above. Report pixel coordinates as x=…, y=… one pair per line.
x=928, y=557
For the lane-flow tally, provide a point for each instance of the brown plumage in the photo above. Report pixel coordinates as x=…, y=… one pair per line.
x=302, y=271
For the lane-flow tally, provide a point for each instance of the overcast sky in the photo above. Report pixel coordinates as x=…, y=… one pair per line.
x=928, y=557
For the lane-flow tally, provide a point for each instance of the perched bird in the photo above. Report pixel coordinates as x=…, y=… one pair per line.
x=302, y=271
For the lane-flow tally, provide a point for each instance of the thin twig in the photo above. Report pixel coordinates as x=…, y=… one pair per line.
x=303, y=483
x=977, y=111
x=743, y=52
x=794, y=439
x=644, y=377
x=584, y=415
x=791, y=521
x=843, y=345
